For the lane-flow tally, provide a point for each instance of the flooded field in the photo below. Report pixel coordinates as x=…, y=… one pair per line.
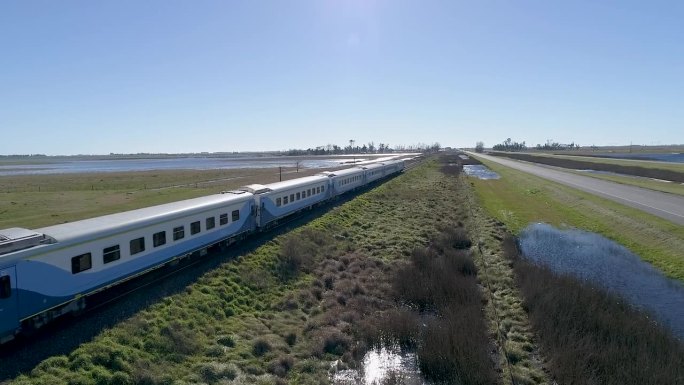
x=67, y=166
x=122, y=165
x=480, y=171
x=607, y=264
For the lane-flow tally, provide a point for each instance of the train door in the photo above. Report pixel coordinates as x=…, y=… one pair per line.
x=9, y=317
x=257, y=209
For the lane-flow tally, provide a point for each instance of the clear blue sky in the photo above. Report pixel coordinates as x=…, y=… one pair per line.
x=95, y=77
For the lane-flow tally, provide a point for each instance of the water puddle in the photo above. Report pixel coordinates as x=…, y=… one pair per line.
x=595, y=258
x=480, y=171
x=383, y=366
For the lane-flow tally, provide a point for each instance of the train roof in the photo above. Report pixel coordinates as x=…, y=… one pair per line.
x=292, y=183
x=371, y=166
x=344, y=172
x=127, y=220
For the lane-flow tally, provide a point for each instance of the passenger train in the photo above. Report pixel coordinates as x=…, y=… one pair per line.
x=51, y=271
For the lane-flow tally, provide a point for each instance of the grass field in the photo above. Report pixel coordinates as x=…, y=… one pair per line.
x=285, y=312
x=314, y=299
x=657, y=185
x=678, y=167
x=518, y=199
x=673, y=172
x=34, y=201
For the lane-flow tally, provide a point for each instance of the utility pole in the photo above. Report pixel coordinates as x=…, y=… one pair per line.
x=351, y=146
x=280, y=172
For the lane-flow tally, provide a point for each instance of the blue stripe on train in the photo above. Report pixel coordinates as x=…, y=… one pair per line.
x=42, y=286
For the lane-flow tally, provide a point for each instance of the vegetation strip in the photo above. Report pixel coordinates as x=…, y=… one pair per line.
x=506, y=316
x=655, y=173
x=282, y=313
x=518, y=199
x=590, y=336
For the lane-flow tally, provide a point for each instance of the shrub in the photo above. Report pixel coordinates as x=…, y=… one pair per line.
x=227, y=341
x=590, y=336
x=261, y=347
x=295, y=254
x=212, y=372
x=281, y=365
x=291, y=338
x=331, y=341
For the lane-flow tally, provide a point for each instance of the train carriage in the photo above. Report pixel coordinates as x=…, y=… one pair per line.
x=345, y=180
x=70, y=261
x=373, y=172
x=278, y=200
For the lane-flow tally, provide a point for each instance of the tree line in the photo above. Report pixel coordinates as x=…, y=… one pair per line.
x=366, y=148
x=510, y=145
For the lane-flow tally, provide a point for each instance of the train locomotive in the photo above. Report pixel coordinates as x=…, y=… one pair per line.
x=51, y=271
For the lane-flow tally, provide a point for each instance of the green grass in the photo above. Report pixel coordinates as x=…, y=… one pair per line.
x=34, y=201
x=276, y=315
x=679, y=167
x=664, y=186
x=518, y=199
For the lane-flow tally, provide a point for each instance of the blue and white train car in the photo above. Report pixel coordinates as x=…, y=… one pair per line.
x=47, y=272
x=393, y=166
x=345, y=180
x=278, y=200
x=373, y=172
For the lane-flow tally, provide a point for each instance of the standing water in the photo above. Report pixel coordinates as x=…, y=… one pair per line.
x=480, y=171
x=383, y=366
x=605, y=263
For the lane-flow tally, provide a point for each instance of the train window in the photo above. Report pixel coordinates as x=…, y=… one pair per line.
x=308, y=192
x=195, y=228
x=236, y=215
x=299, y=196
x=111, y=254
x=279, y=202
x=322, y=188
x=211, y=223
x=285, y=200
x=5, y=287
x=178, y=233
x=223, y=219
x=291, y=197
x=159, y=238
x=81, y=263
x=137, y=246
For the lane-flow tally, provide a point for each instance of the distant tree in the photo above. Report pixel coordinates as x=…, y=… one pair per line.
x=479, y=147
x=550, y=145
x=509, y=145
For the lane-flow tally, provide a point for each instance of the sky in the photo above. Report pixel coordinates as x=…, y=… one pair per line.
x=129, y=76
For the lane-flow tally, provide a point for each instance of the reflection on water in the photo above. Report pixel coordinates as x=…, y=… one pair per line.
x=66, y=166
x=480, y=171
x=124, y=165
x=383, y=366
x=595, y=258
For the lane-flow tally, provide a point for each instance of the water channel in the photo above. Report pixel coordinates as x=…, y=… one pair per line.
x=607, y=264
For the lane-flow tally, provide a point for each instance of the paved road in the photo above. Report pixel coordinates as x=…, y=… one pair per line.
x=668, y=206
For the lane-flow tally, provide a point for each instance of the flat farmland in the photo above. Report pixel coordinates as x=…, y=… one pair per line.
x=34, y=201
x=648, y=169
